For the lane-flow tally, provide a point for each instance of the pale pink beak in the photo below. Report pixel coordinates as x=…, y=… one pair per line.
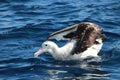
x=40, y=51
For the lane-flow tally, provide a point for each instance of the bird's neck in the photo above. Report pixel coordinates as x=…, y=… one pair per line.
x=62, y=52
x=56, y=52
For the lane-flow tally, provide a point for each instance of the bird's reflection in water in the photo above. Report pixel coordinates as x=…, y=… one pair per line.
x=87, y=69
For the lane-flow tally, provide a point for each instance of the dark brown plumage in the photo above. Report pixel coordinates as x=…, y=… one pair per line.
x=86, y=36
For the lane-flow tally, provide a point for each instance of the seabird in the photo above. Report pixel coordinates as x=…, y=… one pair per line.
x=84, y=40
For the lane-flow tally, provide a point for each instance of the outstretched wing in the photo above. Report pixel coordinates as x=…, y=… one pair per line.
x=64, y=34
x=86, y=34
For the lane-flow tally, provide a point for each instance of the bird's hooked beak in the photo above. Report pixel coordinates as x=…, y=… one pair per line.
x=40, y=51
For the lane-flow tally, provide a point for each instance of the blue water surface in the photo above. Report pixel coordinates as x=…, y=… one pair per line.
x=25, y=24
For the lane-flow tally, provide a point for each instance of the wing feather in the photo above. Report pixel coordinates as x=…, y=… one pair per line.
x=60, y=35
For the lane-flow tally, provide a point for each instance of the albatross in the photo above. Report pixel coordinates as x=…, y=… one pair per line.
x=84, y=40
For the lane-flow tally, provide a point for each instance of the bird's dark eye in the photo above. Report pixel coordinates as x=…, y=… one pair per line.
x=46, y=45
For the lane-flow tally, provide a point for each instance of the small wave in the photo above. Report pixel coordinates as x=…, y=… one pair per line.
x=29, y=13
x=4, y=1
x=25, y=31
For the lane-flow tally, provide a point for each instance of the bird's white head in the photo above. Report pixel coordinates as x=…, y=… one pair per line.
x=47, y=46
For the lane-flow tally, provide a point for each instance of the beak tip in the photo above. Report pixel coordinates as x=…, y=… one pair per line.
x=40, y=51
x=35, y=55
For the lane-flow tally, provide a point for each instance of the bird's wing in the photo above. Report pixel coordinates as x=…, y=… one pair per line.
x=64, y=34
x=87, y=35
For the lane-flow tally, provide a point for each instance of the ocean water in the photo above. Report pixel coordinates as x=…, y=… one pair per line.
x=25, y=24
